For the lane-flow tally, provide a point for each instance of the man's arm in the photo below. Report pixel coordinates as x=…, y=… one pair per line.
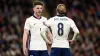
x=25, y=38
x=44, y=34
x=49, y=34
x=75, y=29
x=75, y=36
x=76, y=33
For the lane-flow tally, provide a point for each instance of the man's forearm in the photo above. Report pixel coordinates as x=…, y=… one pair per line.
x=25, y=37
x=24, y=41
x=49, y=35
x=75, y=35
x=44, y=36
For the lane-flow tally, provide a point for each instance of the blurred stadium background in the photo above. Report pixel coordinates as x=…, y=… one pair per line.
x=85, y=13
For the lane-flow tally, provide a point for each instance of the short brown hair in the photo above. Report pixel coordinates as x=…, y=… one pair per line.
x=61, y=8
x=37, y=3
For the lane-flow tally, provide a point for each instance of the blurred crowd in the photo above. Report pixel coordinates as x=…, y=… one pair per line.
x=85, y=13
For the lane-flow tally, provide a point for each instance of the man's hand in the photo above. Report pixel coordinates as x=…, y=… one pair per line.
x=25, y=38
x=25, y=51
x=48, y=42
x=71, y=41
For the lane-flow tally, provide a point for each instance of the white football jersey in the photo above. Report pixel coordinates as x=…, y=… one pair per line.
x=60, y=26
x=34, y=25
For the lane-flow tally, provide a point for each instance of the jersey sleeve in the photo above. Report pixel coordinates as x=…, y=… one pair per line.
x=45, y=19
x=49, y=22
x=27, y=26
x=73, y=26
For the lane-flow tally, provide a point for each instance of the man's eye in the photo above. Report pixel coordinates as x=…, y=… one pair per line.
x=37, y=8
x=40, y=8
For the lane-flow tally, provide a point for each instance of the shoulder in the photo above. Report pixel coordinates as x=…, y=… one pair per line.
x=51, y=18
x=54, y=17
x=29, y=18
x=44, y=18
x=69, y=19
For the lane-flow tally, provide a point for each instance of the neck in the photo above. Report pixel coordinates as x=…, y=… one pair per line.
x=60, y=14
x=37, y=16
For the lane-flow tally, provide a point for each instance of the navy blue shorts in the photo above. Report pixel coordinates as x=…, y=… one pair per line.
x=37, y=53
x=60, y=52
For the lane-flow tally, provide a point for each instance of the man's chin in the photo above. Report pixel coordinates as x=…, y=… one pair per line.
x=39, y=14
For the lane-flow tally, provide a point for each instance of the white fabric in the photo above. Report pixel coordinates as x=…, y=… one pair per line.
x=35, y=25
x=60, y=29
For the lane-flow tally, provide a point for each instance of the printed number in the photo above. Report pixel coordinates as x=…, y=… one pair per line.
x=60, y=29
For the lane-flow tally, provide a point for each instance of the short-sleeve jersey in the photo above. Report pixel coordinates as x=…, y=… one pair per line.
x=34, y=25
x=60, y=26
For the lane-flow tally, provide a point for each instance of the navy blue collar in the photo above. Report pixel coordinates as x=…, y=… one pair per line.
x=61, y=15
x=36, y=17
